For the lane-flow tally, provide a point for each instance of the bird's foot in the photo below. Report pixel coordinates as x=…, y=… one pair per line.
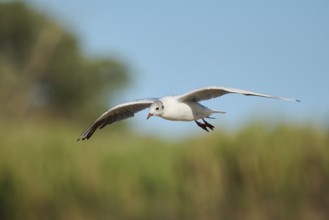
x=208, y=125
x=205, y=126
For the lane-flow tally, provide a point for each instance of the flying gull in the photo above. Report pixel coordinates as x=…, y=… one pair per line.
x=184, y=107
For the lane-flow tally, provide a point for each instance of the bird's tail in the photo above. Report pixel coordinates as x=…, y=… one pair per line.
x=216, y=111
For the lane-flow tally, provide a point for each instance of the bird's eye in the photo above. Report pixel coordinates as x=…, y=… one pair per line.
x=157, y=108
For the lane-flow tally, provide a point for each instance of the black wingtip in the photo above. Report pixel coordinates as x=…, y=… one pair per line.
x=86, y=136
x=82, y=138
x=90, y=130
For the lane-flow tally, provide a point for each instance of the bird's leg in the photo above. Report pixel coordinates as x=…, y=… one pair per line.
x=208, y=125
x=203, y=126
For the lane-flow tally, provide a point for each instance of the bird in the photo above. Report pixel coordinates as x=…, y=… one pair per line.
x=184, y=107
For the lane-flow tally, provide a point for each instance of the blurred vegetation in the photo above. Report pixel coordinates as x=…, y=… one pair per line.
x=260, y=172
x=44, y=71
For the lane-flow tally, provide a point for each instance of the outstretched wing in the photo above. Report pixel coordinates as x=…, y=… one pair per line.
x=211, y=92
x=117, y=113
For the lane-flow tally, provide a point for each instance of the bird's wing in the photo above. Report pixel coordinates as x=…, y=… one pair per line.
x=216, y=91
x=117, y=113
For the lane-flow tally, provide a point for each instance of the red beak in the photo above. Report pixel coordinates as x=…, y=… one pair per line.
x=149, y=116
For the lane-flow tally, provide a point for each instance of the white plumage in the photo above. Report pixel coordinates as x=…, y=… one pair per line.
x=184, y=107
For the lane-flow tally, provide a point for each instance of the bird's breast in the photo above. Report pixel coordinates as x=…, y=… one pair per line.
x=180, y=111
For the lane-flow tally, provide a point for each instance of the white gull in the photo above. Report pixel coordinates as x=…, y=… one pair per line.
x=184, y=107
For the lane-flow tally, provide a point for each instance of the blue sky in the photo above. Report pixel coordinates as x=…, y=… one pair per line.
x=275, y=47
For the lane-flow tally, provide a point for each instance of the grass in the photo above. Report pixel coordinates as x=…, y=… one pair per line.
x=262, y=171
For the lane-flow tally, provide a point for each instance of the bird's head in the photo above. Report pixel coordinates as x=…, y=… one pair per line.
x=156, y=109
